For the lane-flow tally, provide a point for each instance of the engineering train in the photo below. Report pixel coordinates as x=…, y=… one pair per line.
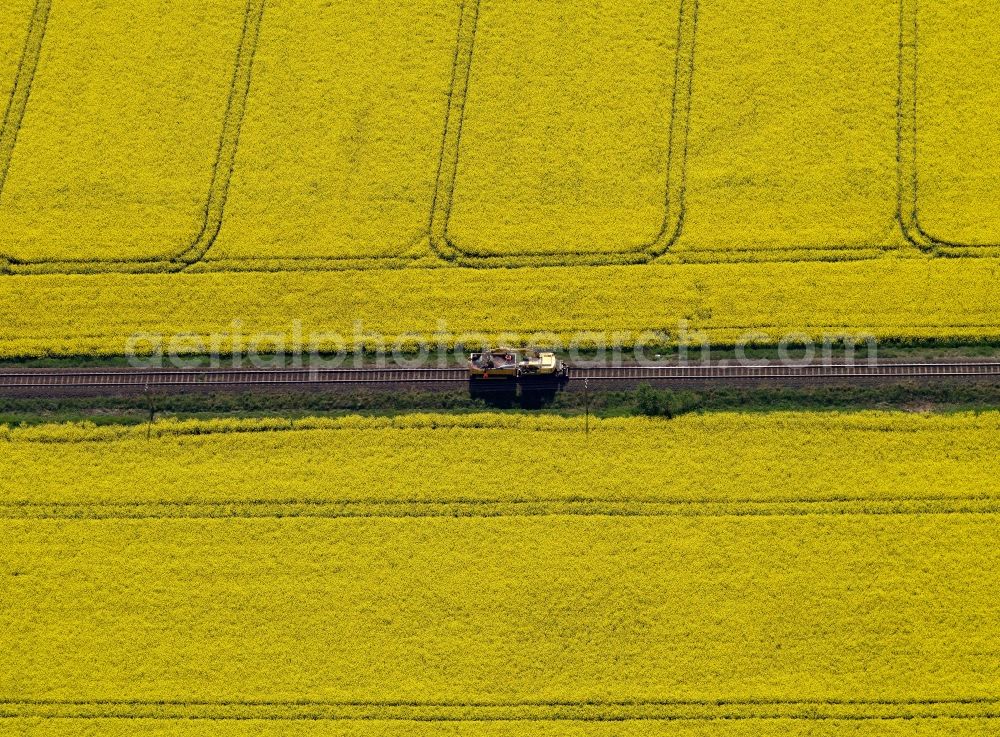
x=510, y=364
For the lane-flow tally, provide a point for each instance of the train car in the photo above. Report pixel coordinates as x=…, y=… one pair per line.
x=508, y=364
x=543, y=364
x=500, y=364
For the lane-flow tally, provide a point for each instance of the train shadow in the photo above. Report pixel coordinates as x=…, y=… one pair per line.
x=497, y=394
x=529, y=394
x=539, y=394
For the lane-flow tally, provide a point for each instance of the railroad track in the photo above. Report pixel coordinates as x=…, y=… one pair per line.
x=179, y=379
x=176, y=378
x=776, y=370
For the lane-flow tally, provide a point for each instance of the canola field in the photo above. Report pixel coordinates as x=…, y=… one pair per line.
x=244, y=172
x=774, y=728
x=380, y=576
x=807, y=167
x=649, y=728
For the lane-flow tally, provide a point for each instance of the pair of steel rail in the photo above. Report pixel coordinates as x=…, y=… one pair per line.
x=179, y=379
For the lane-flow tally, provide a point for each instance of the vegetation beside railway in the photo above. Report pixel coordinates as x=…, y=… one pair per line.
x=923, y=350
x=644, y=400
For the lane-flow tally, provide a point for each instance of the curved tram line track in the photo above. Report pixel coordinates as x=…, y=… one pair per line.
x=104, y=381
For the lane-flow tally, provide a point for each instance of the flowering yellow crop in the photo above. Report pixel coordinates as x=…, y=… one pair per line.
x=909, y=299
x=22, y=24
x=562, y=151
x=15, y=18
x=493, y=575
x=340, y=143
x=783, y=458
x=308, y=727
x=956, y=125
x=116, y=150
x=492, y=133
x=718, y=164
x=793, y=129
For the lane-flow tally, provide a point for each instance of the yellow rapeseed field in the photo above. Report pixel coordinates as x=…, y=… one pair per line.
x=15, y=18
x=452, y=137
x=115, y=154
x=493, y=575
x=778, y=458
x=948, y=299
x=21, y=32
x=793, y=128
x=340, y=143
x=457, y=171
x=957, y=127
x=561, y=152
x=646, y=728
